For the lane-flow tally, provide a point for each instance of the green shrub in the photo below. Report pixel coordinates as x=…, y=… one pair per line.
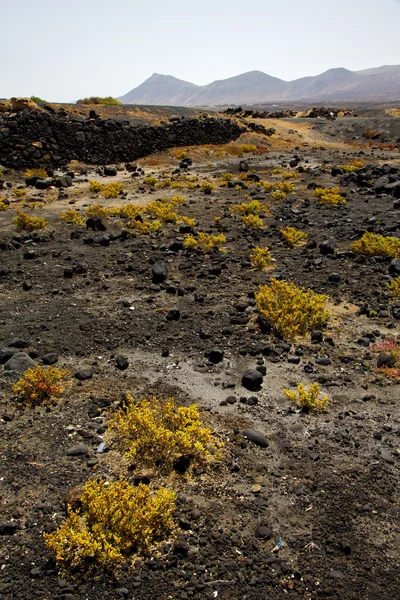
x=307, y=399
x=98, y=100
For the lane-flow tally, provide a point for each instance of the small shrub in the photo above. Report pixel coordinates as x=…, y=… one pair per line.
x=286, y=187
x=190, y=222
x=268, y=186
x=247, y=148
x=73, y=216
x=116, y=521
x=289, y=309
x=249, y=208
x=40, y=386
x=227, y=177
x=177, y=200
x=95, y=186
x=164, y=212
x=180, y=154
x=278, y=195
x=288, y=175
x=207, y=187
x=97, y=211
x=3, y=205
x=149, y=180
x=205, y=241
x=309, y=399
x=356, y=164
x=129, y=211
x=109, y=100
x=293, y=236
x=42, y=173
x=27, y=223
x=394, y=287
x=377, y=245
x=112, y=190
x=329, y=196
x=155, y=433
x=145, y=227
x=389, y=350
x=37, y=99
x=260, y=258
x=252, y=221
x=18, y=193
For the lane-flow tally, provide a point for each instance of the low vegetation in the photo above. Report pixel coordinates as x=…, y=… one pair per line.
x=116, y=522
x=329, y=196
x=26, y=223
x=108, y=100
x=308, y=400
x=377, y=245
x=40, y=386
x=291, y=310
x=252, y=221
x=204, y=242
x=73, y=216
x=260, y=258
x=394, y=287
x=42, y=173
x=293, y=236
x=154, y=433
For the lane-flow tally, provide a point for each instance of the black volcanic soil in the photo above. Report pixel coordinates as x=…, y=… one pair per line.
x=313, y=515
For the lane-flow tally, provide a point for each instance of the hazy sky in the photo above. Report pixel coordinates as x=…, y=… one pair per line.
x=62, y=51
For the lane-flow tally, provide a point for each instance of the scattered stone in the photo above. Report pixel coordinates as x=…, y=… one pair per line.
x=83, y=374
x=159, y=272
x=121, y=362
x=50, y=359
x=252, y=380
x=215, y=355
x=78, y=450
x=256, y=437
x=19, y=362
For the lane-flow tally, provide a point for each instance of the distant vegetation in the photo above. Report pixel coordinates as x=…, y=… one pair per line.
x=37, y=99
x=97, y=100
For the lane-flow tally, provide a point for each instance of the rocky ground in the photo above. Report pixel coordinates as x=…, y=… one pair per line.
x=313, y=512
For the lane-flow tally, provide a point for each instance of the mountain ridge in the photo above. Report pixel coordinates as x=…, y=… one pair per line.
x=254, y=87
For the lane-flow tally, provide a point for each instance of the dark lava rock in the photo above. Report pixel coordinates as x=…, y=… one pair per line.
x=252, y=380
x=83, y=374
x=385, y=359
x=394, y=267
x=6, y=353
x=9, y=527
x=326, y=248
x=317, y=336
x=95, y=224
x=159, y=272
x=264, y=532
x=121, y=362
x=256, y=437
x=50, y=359
x=78, y=450
x=19, y=362
x=215, y=355
x=110, y=171
x=173, y=315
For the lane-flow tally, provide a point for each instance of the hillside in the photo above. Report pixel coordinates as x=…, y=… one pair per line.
x=258, y=87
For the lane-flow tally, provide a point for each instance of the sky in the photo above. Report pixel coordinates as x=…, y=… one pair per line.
x=63, y=51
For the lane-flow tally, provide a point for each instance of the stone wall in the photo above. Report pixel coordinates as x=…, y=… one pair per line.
x=32, y=138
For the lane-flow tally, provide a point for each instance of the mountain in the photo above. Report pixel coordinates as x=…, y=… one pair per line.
x=256, y=87
x=161, y=90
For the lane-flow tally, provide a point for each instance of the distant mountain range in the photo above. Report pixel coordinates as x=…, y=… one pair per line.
x=256, y=87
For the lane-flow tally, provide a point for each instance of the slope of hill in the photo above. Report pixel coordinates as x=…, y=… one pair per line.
x=257, y=87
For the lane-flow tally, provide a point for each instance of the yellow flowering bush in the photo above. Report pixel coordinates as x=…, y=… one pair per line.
x=293, y=236
x=329, y=196
x=289, y=309
x=73, y=216
x=116, y=522
x=307, y=399
x=40, y=386
x=155, y=433
x=27, y=223
x=377, y=245
x=260, y=258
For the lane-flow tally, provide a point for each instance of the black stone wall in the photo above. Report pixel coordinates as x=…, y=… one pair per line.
x=32, y=138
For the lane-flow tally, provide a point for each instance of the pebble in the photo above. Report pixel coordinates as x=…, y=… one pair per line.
x=78, y=450
x=252, y=380
x=256, y=437
x=83, y=374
